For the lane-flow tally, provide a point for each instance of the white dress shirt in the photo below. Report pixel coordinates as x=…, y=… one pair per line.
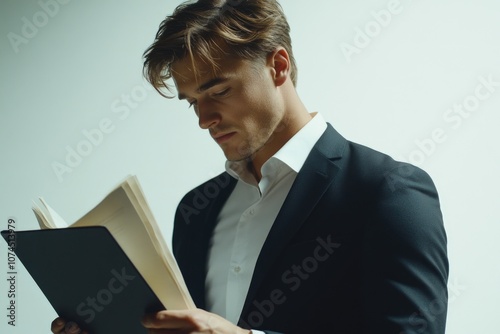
x=246, y=218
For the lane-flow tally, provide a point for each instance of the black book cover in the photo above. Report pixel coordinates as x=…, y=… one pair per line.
x=86, y=277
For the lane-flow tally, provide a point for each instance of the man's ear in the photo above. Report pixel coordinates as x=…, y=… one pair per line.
x=279, y=61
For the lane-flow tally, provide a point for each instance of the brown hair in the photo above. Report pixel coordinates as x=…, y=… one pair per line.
x=250, y=29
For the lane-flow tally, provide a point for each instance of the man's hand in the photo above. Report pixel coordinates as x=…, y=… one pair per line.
x=60, y=326
x=164, y=322
x=190, y=322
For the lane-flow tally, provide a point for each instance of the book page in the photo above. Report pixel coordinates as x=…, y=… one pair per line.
x=47, y=217
x=42, y=219
x=56, y=220
x=140, y=240
x=138, y=200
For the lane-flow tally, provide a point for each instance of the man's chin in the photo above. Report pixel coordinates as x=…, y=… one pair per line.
x=237, y=158
x=237, y=155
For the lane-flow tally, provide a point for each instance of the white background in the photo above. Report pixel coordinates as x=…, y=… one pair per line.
x=82, y=66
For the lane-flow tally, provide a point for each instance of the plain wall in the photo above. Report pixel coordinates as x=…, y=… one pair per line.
x=392, y=75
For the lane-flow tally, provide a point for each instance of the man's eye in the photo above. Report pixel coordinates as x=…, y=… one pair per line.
x=221, y=93
x=191, y=104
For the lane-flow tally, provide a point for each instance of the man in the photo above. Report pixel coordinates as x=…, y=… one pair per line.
x=306, y=232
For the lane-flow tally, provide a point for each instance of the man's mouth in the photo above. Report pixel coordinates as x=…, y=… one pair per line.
x=223, y=137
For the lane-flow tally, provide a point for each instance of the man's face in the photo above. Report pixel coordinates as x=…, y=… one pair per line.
x=240, y=104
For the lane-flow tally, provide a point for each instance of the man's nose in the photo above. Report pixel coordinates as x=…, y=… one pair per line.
x=207, y=115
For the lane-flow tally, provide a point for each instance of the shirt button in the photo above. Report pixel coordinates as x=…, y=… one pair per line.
x=252, y=211
x=237, y=269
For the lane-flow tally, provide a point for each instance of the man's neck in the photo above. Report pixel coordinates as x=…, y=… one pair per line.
x=278, y=139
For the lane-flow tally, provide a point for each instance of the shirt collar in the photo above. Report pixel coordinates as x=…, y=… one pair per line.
x=293, y=154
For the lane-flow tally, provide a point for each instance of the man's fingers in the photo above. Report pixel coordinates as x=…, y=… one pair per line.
x=72, y=328
x=159, y=320
x=168, y=320
x=57, y=325
x=60, y=326
x=189, y=321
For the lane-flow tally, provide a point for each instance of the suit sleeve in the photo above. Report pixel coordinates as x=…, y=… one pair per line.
x=405, y=266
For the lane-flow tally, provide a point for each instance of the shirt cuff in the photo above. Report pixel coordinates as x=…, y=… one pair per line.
x=257, y=332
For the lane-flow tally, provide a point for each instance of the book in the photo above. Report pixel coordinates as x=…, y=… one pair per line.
x=109, y=268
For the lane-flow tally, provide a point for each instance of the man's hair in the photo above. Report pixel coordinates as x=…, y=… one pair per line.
x=250, y=29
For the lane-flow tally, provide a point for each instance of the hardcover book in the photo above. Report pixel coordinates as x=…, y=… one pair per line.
x=106, y=270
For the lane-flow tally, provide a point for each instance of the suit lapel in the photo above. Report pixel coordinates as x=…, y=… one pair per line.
x=312, y=181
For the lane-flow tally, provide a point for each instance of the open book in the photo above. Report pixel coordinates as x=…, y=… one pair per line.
x=127, y=217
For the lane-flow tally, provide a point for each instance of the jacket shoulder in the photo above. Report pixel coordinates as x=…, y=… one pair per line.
x=374, y=168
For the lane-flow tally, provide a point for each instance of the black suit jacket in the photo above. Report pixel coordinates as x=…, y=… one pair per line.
x=357, y=247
